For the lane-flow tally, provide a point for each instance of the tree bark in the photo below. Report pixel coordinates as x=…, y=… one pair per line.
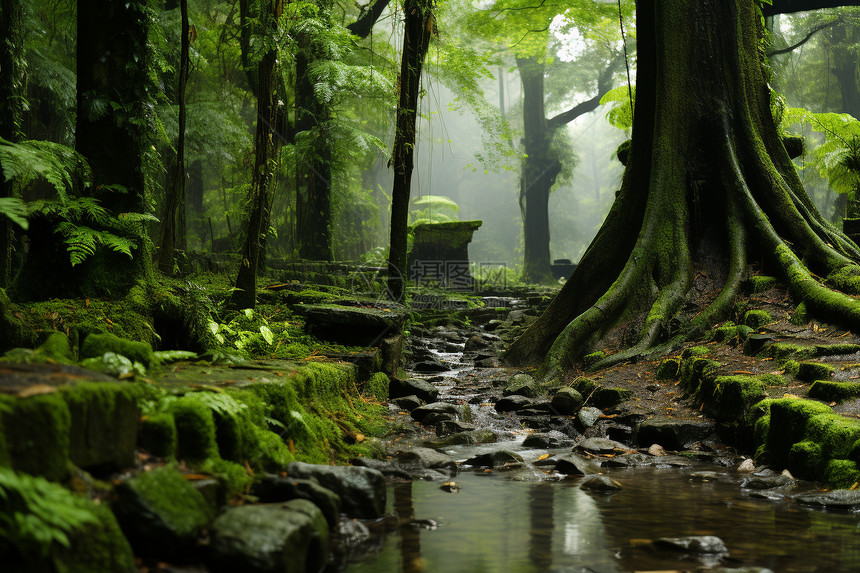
x=416, y=40
x=265, y=145
x=175, y=204
x=707, y=184
x=12, y=103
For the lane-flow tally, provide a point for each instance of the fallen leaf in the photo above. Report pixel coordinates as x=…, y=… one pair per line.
x=542, y=457
x=36, y=390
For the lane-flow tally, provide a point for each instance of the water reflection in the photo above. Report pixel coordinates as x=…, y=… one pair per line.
x=501, y=525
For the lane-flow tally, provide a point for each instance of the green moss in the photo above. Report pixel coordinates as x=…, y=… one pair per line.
x=99, y=548
x=800, y=316
x=842, y=473
x=730, y=398
x=605, y=398
x=693, y=370
x=668, y=369
x=805, y=459
x=377, y=387
x=836, y=349
x=772, y=380
x=36, y=433
x=195, y=430
x=809, y=371
x=829, y=391
x=96, y=345
x=792, y=367
x=593, y=358
x=788, y=421
x=757, y=318
x=785, y=351
x=834, y=433
x=723, y=333
x=695, y=351
x=235, y=476
x=158, y=434
x=845, y=279
x=758, y=284
x=56, y=346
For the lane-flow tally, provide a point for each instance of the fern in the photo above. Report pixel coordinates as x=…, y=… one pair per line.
x=58, y=164
x=35, y=513
x=838, y=158
x=15, y=209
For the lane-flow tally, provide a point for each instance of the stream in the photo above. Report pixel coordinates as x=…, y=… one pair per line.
x=526, y=517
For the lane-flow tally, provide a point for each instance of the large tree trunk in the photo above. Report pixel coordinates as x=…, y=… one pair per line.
x=266, y=145
x=176, y=193
x=540, y=168
x=12, y=99
x=708, y=183
x=416, y=40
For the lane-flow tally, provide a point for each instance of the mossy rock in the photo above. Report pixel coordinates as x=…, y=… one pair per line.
x=98, y=344
x=723, y=333
x=830, y=391
x=782, y=351
x=693, y=370
x=99, y=548
x=800, y=316
x=161, y=513
x=669, y=369
x=789, y=418
x=35, y=432
x=792, y=367
x=104, y=422
x=377, y=387
x=590, y=359
x=834, y=433
x=842, y=474
x=157, y=434
x=606, y=398
x=56, y=347
x=694, y=351
x=195, y=429
x=809, y=371
x=758, y=284
x=806, y=459
x=729, y=399
x=757, y=318
x=841, y=349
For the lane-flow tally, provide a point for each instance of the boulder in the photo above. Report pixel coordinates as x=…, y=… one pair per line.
x=600, y=484
x=161, y=513
x=587, y=417
x=424, y=390
x=543, y=441
x=512, y=403
x=567, y=402
x=426, y=458
x=278, y=489
x=362, y=490
x=674, y=433
x=496, y=459
x=352, y=325
x=521, y=385
x=694, y=544
x=408, y=403
x=436, y=407
x=449, y=427
x=601, y=446
x=838, y=499
x=573, y=464
x=270, y=538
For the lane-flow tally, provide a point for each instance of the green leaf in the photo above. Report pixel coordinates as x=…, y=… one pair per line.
x=16, y=210
x=267, y=334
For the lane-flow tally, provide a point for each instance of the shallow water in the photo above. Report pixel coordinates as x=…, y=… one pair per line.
x=497, y=524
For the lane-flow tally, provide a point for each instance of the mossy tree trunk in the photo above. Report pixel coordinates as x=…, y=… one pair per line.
x=708, y=184
x=266, y=144
x=417, y=30
x=541, y=164
x=12, y=103
x=175, y=206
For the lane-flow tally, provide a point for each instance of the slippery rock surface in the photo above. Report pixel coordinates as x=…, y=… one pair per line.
x=290, y=537
x=362, y=490
x=275, y=489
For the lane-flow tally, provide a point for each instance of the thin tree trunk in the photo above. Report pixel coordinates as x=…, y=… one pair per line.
x=12, y=94
x=416, y=41
x=175, y=207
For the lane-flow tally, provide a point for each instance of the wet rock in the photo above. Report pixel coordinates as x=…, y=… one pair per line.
x=747, y=466
x=278, y=489
x=424, y=390
x=541, y=441
x=705, y=476
x=674, y=433
x=632, y=460
x=434, y=418
x=483, y=436
x=839, y=499
x=160, y=512
x=408, y=403
x=768, y=482
x=587, y=417
x=521, y=385
x=512, y=403
x=600, y=484
x=362, y=490
x=572, y=464
x=426, y=458
x=620, y=433
x=436, y=407
x=388, y=469
x=492, y=362
x=270, y=538
x=693, y=544
x=656, y=450
x=430, y=365
x=449, y=427
x=536, y=420
x=601, y=446
x=480, y=341
x=496, y=459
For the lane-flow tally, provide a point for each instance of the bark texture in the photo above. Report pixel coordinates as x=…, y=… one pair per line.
x=416, y=40
x=708, y=184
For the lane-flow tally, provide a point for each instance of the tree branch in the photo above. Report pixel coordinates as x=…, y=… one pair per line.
x=788, y=6
x=604, y=84
x=806, y=39
x=365, y=22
